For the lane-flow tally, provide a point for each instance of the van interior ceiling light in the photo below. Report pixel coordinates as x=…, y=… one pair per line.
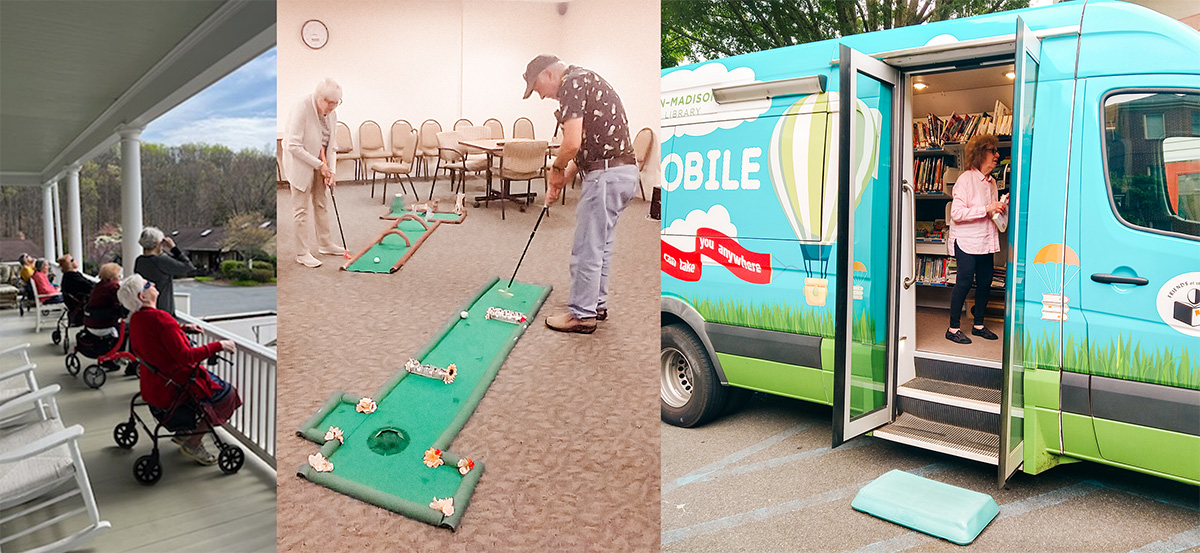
x=920, y=85
x=1010, y=74
x=770, y=89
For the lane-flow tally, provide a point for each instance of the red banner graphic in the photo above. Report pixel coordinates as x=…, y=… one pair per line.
x=749, y=266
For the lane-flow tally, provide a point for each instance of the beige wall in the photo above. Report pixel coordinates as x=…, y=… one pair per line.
x=419, y=59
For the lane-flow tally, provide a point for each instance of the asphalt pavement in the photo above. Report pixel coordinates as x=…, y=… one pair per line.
x=222, y=299
x=765, y=479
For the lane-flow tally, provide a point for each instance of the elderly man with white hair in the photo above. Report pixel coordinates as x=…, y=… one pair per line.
x=161, y=268
x=309, y=161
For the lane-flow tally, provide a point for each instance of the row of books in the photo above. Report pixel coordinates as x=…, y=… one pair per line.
x=928, y=175
x=936, y=269
x=935, y=132
x=931, y=231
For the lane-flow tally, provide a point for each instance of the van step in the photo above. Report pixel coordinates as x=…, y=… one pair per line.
x=953, y=393
x=954, y=440
x=959, y=370
x=938, y=409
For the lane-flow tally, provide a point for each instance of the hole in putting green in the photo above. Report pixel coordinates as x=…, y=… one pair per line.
x=388, y=441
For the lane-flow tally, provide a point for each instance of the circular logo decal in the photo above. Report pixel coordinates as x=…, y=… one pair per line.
x=1179, y=303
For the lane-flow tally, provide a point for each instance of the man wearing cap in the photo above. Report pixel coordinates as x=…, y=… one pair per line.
x=595, y=141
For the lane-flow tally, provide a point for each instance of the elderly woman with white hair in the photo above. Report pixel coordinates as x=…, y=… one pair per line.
x=158, y=341
x=309, y=162
x=159, y=267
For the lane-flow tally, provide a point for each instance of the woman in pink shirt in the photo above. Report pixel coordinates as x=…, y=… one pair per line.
x=973, y=235
x=41, y=283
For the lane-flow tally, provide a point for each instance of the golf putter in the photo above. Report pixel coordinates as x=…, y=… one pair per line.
x=345, y=250
x=505, y=291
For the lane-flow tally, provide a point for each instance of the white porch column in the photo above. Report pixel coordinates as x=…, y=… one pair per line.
x=74, y=222
x=58, y=235
x=131, y=196
x=48, y=221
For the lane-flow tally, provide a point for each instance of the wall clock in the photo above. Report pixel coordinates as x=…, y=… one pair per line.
x=314, y=33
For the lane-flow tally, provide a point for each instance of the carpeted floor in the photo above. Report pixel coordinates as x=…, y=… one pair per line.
x=569, y=429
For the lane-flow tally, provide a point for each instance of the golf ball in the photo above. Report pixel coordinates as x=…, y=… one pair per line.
x=377, y=260
x=464, y=314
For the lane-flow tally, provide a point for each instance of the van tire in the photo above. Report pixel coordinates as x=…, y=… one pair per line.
x=689, y=392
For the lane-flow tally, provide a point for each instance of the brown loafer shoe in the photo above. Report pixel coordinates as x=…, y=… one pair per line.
x=567, y=322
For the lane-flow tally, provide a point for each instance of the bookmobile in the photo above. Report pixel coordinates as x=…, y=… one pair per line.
x=803, y=252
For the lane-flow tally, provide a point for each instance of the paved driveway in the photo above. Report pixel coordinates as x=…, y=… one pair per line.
x=765, y=479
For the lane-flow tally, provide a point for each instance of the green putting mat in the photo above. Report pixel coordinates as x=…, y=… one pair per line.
x=382, y=458
x=928, y=506
x=391, y=249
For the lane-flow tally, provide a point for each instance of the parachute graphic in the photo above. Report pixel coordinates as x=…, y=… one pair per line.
x=804, y=172
x=860, y=278
x=1056, y=265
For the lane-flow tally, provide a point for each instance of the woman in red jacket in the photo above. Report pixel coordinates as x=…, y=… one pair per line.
x=158, y=340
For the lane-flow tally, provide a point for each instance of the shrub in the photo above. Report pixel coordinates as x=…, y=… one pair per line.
x=262, y=275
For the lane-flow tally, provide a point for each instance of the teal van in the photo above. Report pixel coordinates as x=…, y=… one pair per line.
x=805, y=203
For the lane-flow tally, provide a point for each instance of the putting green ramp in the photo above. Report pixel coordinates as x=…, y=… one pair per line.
x=380, y=458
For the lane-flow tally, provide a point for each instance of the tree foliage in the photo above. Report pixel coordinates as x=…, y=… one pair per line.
x=246, y=235
x=696, y=30
x=182, y=186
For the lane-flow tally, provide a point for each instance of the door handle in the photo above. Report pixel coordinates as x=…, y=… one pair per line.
x=912, y=201
x=1106, y=278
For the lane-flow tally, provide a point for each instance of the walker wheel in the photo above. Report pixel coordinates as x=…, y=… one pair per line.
x=56, y=336
x=476, y=204
x=72, y=362
x=94, y=376
x=125, y=434
x=147, y=469
x=231, y=459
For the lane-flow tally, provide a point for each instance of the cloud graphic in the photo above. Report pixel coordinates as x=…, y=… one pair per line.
x=701, y=81
x=681, y=233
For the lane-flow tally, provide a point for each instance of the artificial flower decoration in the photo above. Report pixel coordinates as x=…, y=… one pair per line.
x=446, y=506
x=334, y=433
x=451, y=371
x=365, y=405
x=433, y=458
x=319, y=463
x=465, y=465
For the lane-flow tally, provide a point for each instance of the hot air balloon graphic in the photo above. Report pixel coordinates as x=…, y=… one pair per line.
x=804, y=171
x=1056, y=265
x=860, y=278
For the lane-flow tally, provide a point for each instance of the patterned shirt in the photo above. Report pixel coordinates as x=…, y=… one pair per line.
x=585, y=94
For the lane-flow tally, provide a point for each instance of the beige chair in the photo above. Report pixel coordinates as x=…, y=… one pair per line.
x=427, y=143
x=345, y=148
x=523, y=128
x=643, y=143
x=454, y=160
x=404, y=152
x=371, y=148
x=496, y=129
x=521, y=160
x=461, y=123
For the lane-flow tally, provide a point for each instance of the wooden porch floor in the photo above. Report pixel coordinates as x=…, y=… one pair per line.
x=192, y=508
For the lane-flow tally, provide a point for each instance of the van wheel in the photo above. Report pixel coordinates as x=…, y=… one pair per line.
x=689, y=392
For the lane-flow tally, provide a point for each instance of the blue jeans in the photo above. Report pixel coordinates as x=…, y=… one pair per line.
x=605, y=195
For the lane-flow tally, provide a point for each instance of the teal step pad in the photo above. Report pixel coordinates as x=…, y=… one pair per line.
x=928, y=506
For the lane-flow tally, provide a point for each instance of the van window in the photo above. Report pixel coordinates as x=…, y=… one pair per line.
x=1153, y=152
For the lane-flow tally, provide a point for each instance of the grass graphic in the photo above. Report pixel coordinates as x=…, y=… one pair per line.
x=767, y=316
x=1119, y=358
x=782, y=317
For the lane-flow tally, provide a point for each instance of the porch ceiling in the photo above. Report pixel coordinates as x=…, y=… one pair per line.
x=75, y=70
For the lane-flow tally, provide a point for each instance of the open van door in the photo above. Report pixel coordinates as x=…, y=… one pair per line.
x=1012, y=396
x=868, y=218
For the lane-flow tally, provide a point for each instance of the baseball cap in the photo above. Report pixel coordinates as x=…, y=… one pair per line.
x=535, y=68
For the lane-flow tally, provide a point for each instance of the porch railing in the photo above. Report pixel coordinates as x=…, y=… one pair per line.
x=253, y=374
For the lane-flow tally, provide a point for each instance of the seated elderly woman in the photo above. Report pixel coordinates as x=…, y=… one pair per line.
x=103, y=310
x=41, y=283
x=158, y=341
x=76, y=288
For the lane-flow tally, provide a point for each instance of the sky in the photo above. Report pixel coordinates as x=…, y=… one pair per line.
x=237, y=111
